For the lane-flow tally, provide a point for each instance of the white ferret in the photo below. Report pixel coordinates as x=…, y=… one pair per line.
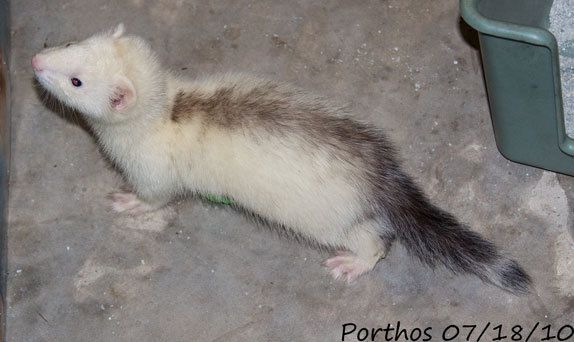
x=291, y=158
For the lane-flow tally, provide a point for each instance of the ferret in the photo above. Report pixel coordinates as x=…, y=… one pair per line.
x=294, y=159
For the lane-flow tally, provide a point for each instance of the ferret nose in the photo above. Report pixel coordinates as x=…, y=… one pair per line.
x=36, y=63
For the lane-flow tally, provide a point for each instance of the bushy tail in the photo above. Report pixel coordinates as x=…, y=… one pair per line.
x=436, y=237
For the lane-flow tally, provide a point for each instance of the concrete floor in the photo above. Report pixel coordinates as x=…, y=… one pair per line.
x=202, y=272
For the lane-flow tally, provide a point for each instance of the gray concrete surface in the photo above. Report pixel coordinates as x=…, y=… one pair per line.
x=200, y=272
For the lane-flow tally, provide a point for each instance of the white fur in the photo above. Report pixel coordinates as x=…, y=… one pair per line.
x=278, y=178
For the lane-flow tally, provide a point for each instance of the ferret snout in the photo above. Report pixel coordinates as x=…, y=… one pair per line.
x=36, y=63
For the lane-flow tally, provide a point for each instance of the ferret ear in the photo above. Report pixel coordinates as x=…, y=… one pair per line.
x=119, y=31
x=124, y=95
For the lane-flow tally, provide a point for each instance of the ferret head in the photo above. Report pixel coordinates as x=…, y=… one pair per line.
x=95, y=76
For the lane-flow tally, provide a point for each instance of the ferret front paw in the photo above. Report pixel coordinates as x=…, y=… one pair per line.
x=129, y=203
x=348, y=266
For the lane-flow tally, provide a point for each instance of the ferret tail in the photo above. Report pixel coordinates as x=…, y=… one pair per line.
x=436, y=237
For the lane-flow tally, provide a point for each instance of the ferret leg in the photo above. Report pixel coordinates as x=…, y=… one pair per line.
x=130, y=203
x=365, y=247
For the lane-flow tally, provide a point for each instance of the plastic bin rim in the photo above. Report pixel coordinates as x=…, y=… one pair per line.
x=528, y=34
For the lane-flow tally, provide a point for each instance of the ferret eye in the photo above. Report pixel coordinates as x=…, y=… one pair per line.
x=76, y=82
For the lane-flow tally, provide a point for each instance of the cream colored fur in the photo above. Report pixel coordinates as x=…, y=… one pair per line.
x=281, y=178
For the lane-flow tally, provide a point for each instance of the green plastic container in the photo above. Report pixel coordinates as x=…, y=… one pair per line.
x=522, y=73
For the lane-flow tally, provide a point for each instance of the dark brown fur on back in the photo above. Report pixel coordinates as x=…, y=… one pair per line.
x=284, y=111
x=229, y=108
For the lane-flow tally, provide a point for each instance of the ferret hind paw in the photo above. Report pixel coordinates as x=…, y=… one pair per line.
x=348, y=266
